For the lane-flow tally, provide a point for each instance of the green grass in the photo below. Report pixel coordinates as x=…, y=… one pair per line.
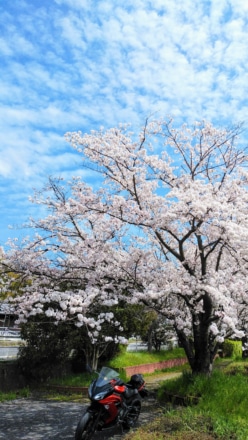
x=175, y=425
x=61, y=397
x=12, y=395
x=122, y=359
x=223, y=401
x=220, y=414
x=74, y=380
x=234, y=367
x=130, y=359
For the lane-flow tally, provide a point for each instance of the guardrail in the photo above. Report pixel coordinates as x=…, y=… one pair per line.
x=6, y=332
x=9, y=353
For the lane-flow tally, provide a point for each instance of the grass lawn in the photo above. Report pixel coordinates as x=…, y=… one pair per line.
x=11, y=395
x=130, y=359
x=123, y=359
x=220, y=414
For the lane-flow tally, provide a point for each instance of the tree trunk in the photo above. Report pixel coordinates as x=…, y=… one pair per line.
x=91, y=356
x=202, y=362
x=200, y=359
x=199, y=350
x=95, y=356
x=202, y=354
x=149, y=338
x=187, y=345
x=203, y=343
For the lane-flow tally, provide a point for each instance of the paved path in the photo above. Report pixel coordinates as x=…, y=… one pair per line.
x=37, y=419
x=32, y=419
x=40, y=419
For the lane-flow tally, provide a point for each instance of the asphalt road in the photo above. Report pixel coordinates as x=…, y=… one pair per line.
x=36, y=420
x=31, y=419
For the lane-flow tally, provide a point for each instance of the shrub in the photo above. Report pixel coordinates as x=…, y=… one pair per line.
x=232, y=349
x=46, y=349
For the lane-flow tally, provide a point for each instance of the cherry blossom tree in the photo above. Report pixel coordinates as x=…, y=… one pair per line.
x=63, y=270
x=168, y=229
x=185, y=190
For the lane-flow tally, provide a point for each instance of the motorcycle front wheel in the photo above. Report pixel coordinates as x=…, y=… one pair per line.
x=85, y=428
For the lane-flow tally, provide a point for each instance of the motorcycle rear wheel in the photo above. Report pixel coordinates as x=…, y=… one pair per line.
x=85, y=428
x=132, y=415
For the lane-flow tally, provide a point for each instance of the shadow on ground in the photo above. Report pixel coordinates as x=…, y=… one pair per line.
x=43, y=419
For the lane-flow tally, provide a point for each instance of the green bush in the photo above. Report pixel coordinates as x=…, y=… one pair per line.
x=46, y=349
x=232, y=349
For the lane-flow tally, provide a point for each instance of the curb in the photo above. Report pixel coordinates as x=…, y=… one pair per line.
x=67, y=389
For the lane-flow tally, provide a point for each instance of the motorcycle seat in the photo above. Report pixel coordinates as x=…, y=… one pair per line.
x=129, y=392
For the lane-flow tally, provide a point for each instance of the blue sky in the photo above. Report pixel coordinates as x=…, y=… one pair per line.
x=69, y=65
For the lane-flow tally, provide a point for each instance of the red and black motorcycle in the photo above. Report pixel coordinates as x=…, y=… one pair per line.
x=113, y=402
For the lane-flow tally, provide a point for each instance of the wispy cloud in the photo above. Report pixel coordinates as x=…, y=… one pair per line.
x=76, y=65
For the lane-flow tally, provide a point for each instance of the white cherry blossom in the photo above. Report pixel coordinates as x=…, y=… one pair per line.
x=168, y=228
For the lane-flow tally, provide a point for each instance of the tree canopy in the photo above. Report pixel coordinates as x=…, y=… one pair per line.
x=168, y=228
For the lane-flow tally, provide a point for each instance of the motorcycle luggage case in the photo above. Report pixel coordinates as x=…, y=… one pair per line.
x=137, y=380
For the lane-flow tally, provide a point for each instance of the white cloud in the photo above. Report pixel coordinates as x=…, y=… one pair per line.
x=73, y=64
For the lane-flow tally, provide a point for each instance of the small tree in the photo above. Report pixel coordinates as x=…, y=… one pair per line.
x=159, y=333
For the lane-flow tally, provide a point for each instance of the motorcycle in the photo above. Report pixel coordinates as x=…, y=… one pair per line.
x=113, y=403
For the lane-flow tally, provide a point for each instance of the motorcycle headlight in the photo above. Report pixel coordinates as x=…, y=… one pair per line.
x=99, y=396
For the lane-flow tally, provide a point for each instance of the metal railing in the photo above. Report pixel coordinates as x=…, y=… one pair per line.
x=9, y=333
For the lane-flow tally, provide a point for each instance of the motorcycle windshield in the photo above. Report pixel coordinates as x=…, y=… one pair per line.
x=106, y=374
